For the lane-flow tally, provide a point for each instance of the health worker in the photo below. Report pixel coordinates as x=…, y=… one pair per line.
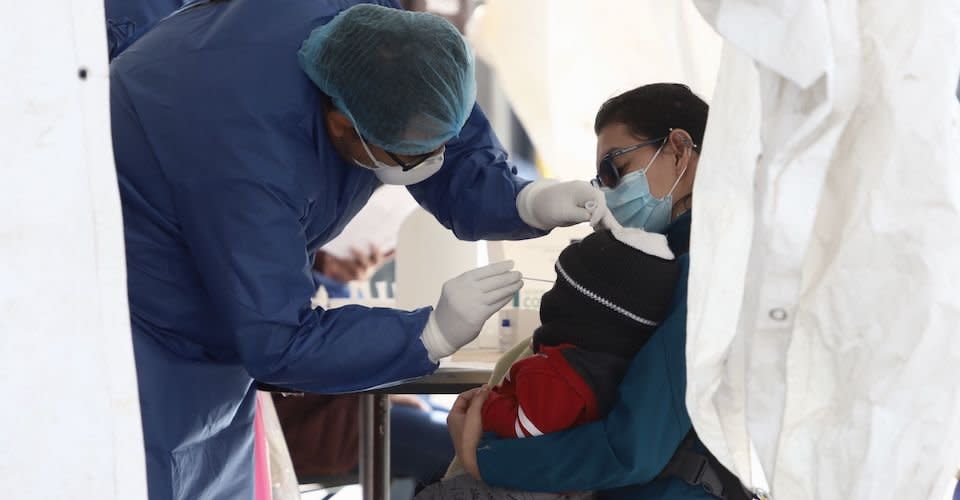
x=246, y=135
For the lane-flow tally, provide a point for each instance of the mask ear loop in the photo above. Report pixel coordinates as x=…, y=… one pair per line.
x=377, y=163
x=676, y=182
x=655, y=155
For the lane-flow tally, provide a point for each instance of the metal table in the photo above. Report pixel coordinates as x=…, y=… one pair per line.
x=451, y=378
x=375, y=420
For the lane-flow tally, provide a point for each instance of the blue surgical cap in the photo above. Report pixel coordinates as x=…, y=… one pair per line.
x=405, y=79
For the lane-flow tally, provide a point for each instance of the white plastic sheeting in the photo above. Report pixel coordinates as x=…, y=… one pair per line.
x=70, y=425
x=825, y=280
x=559, y=60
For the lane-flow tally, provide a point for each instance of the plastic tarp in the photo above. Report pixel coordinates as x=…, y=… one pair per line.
x=559, y=60
x=825, y=261
x=70, y=421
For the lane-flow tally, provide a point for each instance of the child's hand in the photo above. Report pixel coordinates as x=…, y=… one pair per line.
x=466, y=427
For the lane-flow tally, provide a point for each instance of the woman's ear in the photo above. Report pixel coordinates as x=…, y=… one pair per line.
x=682, y=147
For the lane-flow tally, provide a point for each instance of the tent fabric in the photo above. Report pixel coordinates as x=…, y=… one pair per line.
x=71, y=417
x=558, y=61
x=822, y=346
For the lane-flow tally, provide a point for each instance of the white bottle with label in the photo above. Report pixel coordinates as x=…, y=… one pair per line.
x=507, y=336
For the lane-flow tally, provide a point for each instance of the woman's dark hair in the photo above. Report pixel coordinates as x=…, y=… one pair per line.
x=652, y=110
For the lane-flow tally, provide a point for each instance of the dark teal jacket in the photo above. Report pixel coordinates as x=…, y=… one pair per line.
x=622, y=454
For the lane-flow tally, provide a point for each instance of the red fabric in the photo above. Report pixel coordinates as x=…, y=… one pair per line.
x=541, y=394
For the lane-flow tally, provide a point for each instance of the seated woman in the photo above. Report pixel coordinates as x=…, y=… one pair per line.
x=647, y=152
x=612, y=289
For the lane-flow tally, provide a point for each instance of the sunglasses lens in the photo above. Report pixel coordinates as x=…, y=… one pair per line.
x=608, y=174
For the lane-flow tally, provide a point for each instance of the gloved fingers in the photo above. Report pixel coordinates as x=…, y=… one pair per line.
x=583, y=192
x=499, y=294
x=598, y=207
x=499, y=281
x=578, y=215
x=490, y=270
x=499, y=305
x=596, y=217
x=609, y=222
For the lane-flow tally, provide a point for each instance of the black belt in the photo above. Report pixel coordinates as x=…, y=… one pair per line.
x=697, y=468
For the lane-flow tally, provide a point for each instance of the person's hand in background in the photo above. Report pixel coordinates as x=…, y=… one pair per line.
x=411, y=400
x=359, y=266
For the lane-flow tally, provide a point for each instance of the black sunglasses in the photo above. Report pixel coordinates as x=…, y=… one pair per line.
x=608, y=175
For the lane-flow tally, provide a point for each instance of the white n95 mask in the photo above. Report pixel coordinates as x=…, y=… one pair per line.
x=395, y=174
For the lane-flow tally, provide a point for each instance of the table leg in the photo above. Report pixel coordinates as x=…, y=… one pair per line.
x=375, y=446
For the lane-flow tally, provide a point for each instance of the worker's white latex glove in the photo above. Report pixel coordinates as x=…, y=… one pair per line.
x=466, y=302
x=547, y=203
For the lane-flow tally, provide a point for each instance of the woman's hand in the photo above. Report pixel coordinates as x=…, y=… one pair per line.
x=466, y=427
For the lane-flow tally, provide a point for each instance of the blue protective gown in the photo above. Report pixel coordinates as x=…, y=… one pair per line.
x=128, y=20
x=228, y=184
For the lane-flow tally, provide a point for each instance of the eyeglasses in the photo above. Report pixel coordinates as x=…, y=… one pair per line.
x=400, y=163
x=409, y=166
x=608, y=175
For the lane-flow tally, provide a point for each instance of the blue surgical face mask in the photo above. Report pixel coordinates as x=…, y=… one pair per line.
x=634, y=206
